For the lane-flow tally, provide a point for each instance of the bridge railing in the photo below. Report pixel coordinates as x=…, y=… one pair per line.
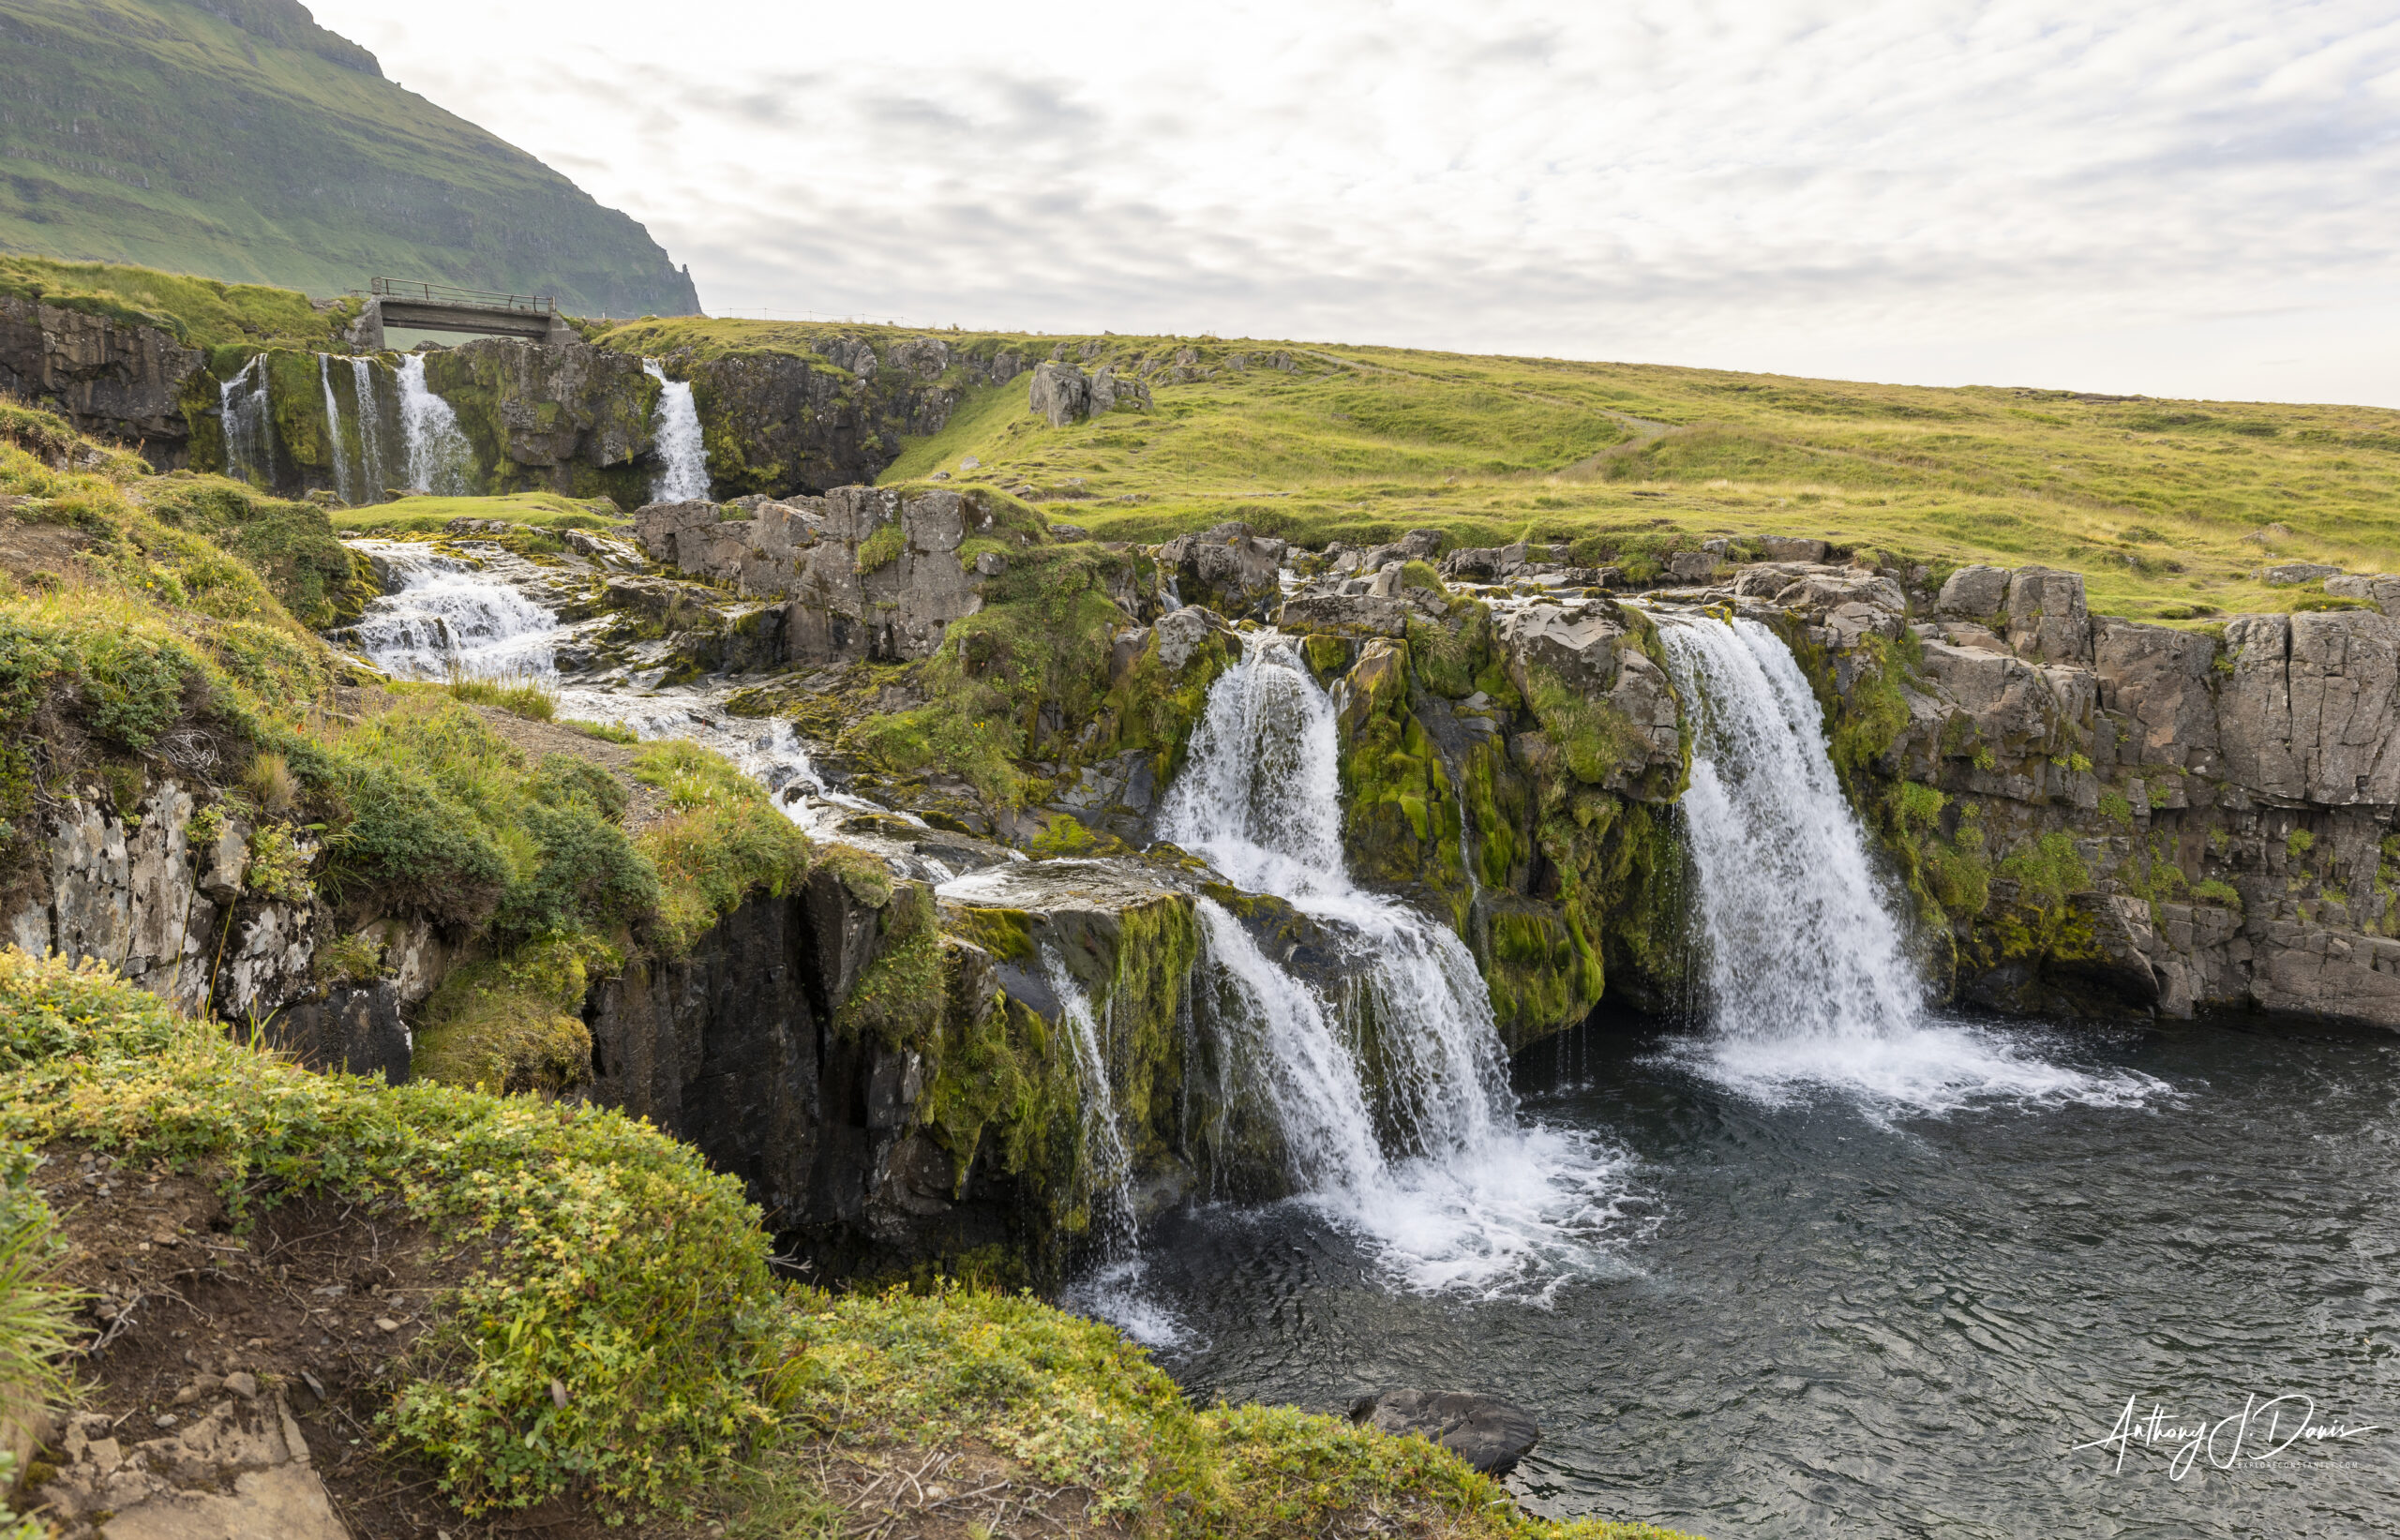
x=444, y=294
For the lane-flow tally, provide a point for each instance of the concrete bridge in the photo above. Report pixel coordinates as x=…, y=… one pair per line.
x=439, y=307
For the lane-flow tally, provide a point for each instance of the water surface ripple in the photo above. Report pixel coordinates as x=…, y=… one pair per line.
x=1838, y=1320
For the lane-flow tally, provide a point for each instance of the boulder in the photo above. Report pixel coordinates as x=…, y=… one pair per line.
x=2293, y=574
x=661, y=529
x=1061, y=393
x=1223, y=567
x=241, y=1468
x=2047, y=619
x=1487, y=1432
x=1341, y=614
x=1977, y=592
x=2381, y=590
x=1780, y=548
x=1693, y=567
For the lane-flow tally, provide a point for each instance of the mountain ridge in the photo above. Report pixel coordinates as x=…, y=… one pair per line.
x=241, y=140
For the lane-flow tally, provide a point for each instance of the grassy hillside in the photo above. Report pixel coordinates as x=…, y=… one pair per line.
x=202, y=312
x=241, y=140
x=2167, y=506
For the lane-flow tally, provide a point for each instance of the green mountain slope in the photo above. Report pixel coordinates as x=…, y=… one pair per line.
x=243, y=141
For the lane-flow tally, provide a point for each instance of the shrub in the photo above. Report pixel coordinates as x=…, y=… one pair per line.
x=514, y=1023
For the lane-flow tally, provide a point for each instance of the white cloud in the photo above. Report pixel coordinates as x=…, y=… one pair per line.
x=2188, y=199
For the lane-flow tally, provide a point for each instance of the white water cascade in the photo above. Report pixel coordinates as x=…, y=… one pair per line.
x=249, y=436
x=1457, y=1193
x=340, y=448
x=445, y=619
x=437, y=458
x=683, y=457
x=374, y=469
x=1807, y=973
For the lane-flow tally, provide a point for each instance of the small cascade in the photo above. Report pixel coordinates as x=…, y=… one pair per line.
x=683, y=456
x=436, y=459
x=1426, y=1156
x=1107, y=1159
x=442, y=618
x=1807, y=973
x=249, y=433
x=338, y=444
x=374, y=474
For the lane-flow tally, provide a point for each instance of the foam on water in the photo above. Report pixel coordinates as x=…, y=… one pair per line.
x=447, y=618
x=1460, y=1194
x=1810, y=985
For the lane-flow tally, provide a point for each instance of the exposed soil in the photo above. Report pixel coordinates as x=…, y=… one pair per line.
x=319, y=1297
x=29, y=548
x=323, y=1299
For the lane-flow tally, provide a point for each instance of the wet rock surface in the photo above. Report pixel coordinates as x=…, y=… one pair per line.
x=1487, y=1432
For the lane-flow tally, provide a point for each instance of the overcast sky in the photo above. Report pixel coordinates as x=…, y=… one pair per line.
x=2177, y=197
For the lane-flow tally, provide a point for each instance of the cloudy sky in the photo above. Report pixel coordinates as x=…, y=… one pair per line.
x=2195, y=198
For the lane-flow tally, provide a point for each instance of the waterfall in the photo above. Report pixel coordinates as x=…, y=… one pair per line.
x=333, y=431
x=374, y=470
x=444, y=618
x=438, y=460
x=683, y=457
x=1807, y=972
x=1107, y=1159
x=1427, y=1160
x=249, y=433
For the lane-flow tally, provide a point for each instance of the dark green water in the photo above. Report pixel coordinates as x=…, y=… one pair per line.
x=1824, y=1316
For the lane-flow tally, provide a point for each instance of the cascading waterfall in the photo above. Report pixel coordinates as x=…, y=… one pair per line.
x=444, y=619
x=249, y=436
x=1106, y=1157
x=683, y=456
x=1807, y=972
x=1453, y=1191
x=436, y=457
x=340, y=447
x=374, y=470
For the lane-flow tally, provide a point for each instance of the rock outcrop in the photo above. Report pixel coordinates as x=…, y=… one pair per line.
x=1487, y=1432
x=112, y=379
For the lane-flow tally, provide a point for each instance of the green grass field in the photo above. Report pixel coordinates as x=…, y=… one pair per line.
x=2168, y=507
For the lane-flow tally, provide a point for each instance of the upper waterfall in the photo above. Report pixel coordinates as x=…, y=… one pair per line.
x=1807, y=972
x=683, y=454
x=249, y=434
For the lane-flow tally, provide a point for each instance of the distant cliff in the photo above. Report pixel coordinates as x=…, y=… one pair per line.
x=241, y=140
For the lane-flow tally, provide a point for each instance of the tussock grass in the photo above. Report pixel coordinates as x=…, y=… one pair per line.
x=519, y=695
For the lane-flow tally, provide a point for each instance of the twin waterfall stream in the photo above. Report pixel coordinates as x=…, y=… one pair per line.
x=386, y=430
x=1825, y=1261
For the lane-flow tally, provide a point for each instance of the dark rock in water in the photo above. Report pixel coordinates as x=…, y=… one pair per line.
x=1485, y=1431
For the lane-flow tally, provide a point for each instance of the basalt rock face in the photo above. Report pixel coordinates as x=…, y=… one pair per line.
x=563, y=417
x=108, y=378
x=782, y=423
